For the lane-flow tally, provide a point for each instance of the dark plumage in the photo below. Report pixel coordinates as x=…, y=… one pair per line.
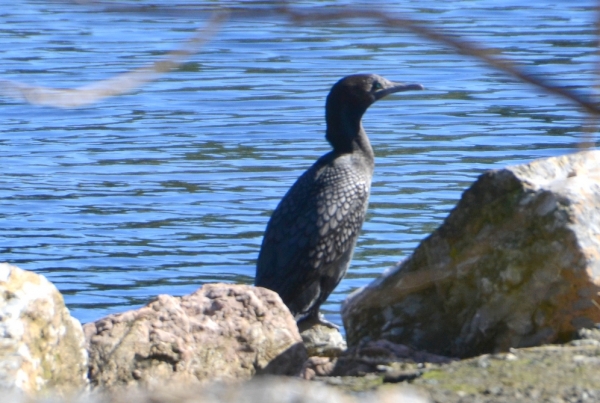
x=309, y=241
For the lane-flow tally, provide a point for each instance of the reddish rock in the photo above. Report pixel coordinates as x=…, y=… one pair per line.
x=515, y=264
x=220, y=332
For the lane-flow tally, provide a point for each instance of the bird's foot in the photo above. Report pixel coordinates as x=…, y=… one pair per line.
x=314, y=320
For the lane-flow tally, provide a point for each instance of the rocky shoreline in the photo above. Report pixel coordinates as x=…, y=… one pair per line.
x=550, y=373
x=500, y=304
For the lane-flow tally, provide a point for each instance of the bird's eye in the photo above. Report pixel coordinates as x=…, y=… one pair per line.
x=377, y=86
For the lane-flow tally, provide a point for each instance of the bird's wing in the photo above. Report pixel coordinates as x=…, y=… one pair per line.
x=316, y=222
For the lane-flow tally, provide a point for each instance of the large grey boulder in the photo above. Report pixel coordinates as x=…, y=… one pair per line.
x=220, y=332
x=41, y=346
x=515, y=264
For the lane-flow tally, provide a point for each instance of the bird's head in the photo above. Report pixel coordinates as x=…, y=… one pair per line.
x=359, y=91
x=349, y=99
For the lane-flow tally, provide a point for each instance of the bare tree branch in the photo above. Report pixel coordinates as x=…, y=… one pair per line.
x=387, y=20
x=461, y=45
x=117, y=85
x=47, y=96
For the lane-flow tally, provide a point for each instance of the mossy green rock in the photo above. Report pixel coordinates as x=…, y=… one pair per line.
x=549, y=373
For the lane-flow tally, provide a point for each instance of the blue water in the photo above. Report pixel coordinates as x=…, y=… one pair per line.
x=171, y=186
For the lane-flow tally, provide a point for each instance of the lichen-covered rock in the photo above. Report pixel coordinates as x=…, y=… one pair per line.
x=41, y=346
x=220, y=332
x=515, y=264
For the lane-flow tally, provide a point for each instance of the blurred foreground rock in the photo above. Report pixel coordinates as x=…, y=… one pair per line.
x=265, y=390
x=548, y=374
x=515, y=264
x=220, y=332
x=41, y=345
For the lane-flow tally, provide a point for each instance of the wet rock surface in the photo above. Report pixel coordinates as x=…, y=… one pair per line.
x=41, y=345
x=220, y=332
x=515, y=264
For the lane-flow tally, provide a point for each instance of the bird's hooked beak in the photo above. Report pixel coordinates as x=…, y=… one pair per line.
x=391, y=87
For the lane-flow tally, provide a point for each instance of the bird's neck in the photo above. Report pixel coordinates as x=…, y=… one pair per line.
x=346, y=134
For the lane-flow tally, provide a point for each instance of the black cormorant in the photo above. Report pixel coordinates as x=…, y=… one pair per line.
x=310, y=238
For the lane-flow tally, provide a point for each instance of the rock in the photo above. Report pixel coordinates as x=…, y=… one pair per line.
x=397, y=361
x=385, y=357
x=528, y=375
x=41, y=346
x=515, y=264
x=538, y=374
x=318, y=366
x=587, y=337
x=323, y=341
x=264, y=390
x=220, y=332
